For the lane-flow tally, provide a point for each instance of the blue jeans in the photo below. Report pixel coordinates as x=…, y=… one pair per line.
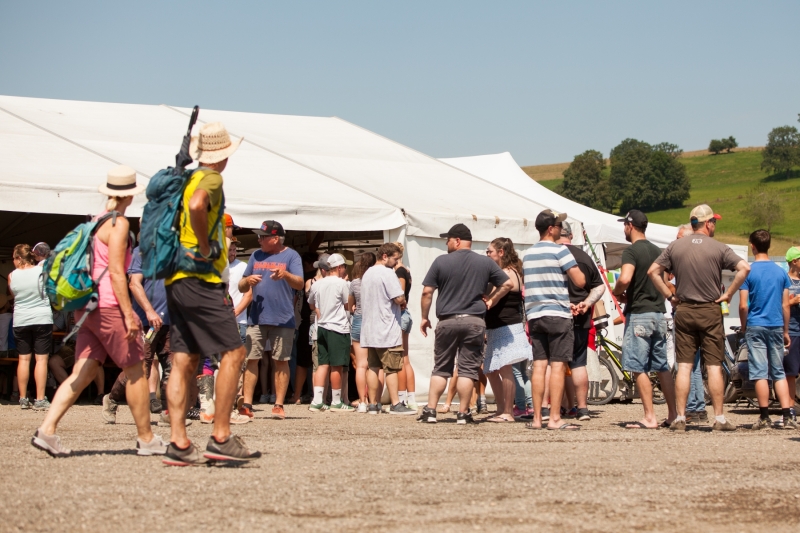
x=697, y=398
x=522, y=386
x=765, y=352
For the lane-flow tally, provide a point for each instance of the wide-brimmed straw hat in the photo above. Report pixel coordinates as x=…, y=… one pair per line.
x=121, y=181
x=213, y=144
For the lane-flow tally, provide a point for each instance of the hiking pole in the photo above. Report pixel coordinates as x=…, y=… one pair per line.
x=604, y=273
x=184, y=158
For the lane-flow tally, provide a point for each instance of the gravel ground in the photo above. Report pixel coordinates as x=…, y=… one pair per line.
x=345, y=471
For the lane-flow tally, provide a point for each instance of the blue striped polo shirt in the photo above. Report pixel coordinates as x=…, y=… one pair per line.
x=545, y=266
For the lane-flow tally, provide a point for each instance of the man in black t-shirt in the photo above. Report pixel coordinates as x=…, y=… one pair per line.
x=644, y=344
x=581, y=301
x=461, y=277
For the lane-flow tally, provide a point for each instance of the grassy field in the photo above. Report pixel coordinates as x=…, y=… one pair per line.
x=723, y=182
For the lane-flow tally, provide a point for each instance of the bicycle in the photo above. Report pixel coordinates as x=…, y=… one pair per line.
x=605, y=389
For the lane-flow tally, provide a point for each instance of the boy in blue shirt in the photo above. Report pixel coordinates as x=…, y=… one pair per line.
x=765, y=323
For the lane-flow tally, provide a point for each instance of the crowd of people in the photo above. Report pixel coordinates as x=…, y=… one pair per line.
x=522, y=323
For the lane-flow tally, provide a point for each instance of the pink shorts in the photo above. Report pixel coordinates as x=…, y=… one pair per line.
x=103, y=335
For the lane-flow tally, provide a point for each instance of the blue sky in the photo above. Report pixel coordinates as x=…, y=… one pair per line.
x=543, y=81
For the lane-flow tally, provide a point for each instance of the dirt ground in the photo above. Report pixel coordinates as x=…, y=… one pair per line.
x=350, y=472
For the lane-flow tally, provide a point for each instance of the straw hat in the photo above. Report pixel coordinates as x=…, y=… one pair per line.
x=213, y=144
x=121, y=181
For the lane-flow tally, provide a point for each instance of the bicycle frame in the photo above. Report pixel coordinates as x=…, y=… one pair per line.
x=605, y=343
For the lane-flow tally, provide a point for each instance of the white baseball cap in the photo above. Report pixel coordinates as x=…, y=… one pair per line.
x=336, y=260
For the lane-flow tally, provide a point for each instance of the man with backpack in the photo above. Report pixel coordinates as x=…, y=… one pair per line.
x=202, y=319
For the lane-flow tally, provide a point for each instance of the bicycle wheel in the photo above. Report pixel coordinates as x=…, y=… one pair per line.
x=603, y=391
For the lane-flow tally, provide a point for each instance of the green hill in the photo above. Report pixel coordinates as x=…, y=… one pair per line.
x=723, y=182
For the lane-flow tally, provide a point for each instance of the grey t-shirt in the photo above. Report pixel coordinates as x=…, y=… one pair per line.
x=330, y=295
x=380, y=316
x=461, y=278
x=355, y=290
x=697, y=261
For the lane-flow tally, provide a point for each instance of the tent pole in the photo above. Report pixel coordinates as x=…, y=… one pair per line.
x=604, y=272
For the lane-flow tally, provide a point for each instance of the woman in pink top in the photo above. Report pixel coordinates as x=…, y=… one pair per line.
x=113, y=329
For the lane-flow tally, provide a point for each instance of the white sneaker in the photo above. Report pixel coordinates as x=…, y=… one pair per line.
x=51, y=444
x=154, y=447
x=236, y=418
x=362, y=407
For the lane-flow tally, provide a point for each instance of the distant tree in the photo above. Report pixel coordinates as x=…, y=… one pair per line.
x=730, y=143
x=668, y=148
x=647, y=178
x=584, y=182
x=763, y=208
x=782, y=151
x=716, y=146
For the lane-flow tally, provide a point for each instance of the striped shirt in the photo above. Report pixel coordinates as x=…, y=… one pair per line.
x=545, y=266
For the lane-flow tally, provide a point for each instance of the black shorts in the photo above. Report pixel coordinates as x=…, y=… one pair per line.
x=552, y=339
x=202, y=319
x=36, y=339
x=304, y=358
x=791, y=363
x=580, y=347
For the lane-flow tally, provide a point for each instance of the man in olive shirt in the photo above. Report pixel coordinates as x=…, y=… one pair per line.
x=644, y=345
x=697, y=262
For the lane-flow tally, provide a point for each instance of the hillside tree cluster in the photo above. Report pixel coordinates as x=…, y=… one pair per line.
x=717, y=146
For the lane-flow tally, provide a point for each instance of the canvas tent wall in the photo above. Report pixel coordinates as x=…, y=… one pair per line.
x=311, y=173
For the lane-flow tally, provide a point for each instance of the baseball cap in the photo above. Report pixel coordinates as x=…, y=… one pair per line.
x=322, y=262
x=566, y=229
x=635, y=218
x=792, y=254
x=548, y=218
x=42, y=249
x=459, y=231
x=703, y=212
x=229, y=222
x=336, y=260
x=270, y=227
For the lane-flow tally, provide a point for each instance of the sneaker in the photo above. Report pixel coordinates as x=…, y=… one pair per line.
x=583, y=415
x=341, y=407
x=154, y=447
x=98, y=400
x=236, y=418
x=317, y=407
x=427, y=415
x=41, y=405
x=278, y=413
x=49, y=443
x=464, y=418
x=305, y=400
x=233, y=449
x=246, y=411
x=482, y=408
x=572, y=413
x=110, y=410
x=696, y=416
x=373, y=409
x=727, y=426
x=271, y=399
x=790, y=423
x=678, y=425
x=163, y=420
x=193, y=414
x=206, y=418
x=545, y=414
x=14, y=398
x=264, y=398
x=191, y=456
x=401, y=409
x=24, y=403
x=362, y=407
x=155, y=405
x=412, y=405
x=762, y=423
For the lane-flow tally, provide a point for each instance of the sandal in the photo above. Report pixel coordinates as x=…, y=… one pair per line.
x=565, y=427
x=529, y=425
x=498, y=419
x=444, y=409
x=638, y=425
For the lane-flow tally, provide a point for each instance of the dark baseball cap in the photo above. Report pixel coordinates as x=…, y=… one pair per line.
x=270, y=227
x=635, y=218
x=459, y=231
x=548, y=218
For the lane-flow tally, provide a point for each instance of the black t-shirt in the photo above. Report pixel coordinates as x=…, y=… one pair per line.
x=641, y=293
x=461, y=278
x=403, y=273
x=577, y=294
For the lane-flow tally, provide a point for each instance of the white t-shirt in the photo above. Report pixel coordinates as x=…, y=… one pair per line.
x=236, y=270
x=330, y=295
x=380, y=316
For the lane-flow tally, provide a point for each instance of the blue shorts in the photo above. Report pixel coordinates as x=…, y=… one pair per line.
x=355, y=329
x=405, y=321
x=644, y=343
x=765, y=352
